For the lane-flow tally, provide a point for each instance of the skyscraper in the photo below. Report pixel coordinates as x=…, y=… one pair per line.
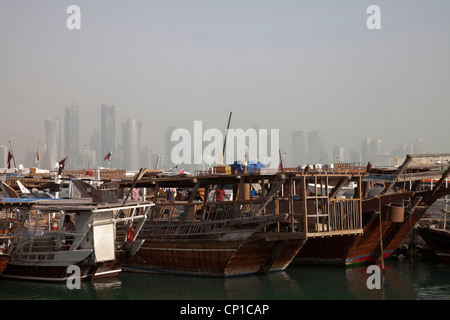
x=338, y=154
x=3, y=156
x=316, y=152
x=108, y=132
x=375, y=148
x=95, y=147
x=167, y=162
x=419, y=146
x=131, y=136
x=72, y=136
x=298, y=148
x=53, y=142
x=365, y=151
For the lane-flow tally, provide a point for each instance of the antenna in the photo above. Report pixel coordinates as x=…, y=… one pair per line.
x=225, y=139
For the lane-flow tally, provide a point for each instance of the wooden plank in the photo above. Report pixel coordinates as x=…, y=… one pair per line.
x=270, y=196
x=338, y=187
x=400, y=171
x=439, y=184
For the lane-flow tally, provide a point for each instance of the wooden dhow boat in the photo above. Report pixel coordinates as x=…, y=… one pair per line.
x=438, y=240
x=192, y=235
x=43, y=244
x=388, y=216
x=4, y=260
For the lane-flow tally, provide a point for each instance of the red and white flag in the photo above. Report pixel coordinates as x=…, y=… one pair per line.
x=9, y=159
x=108, y=156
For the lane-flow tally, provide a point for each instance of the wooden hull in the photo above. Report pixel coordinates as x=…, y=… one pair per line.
x=265, y=252
x=236, y=249
x=207, y=257
x=4, y=260
x=57, y=271
x=358, y=249
x=111, y=268
x=45, y=273
x=438, y=240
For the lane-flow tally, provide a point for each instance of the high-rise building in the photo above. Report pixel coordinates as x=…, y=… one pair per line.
x=316, y=152
x=167, y=162
x=131, y=136
x=338, y=154
x=375, y=148
x=298, y=148
x=370, y=150
x=72, y=136
x=53, y=143
x=95, y=147
x=419, y=146
x=365, y=151
x=145, y=158
x=355, y=156
x=108, y=133
x=3, y=156
x=402, y=151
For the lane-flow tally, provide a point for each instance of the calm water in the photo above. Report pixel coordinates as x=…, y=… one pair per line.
x=401, y=280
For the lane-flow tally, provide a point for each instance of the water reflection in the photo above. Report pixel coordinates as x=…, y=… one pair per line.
x=432, y=281
x=400, y=280
x=394, y=283
x=272, y=286
x=29, y=290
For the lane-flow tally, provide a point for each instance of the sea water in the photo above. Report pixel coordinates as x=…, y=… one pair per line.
x=405, y=280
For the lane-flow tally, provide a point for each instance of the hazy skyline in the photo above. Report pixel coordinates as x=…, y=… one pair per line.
x=291, y=65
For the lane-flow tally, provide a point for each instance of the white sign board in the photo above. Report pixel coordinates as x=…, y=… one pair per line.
x=104, y=242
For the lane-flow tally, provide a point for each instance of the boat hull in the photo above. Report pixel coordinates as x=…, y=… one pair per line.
x=210, y=257
x=111, y=268
x=57, y=269
x=4, y=260
x=438, y=240
x=238, y=248
x=45, y=273
x=366, y=248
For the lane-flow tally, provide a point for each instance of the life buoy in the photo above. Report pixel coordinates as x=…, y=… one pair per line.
x=8, y=226
x=54, y=224
x=130, y=234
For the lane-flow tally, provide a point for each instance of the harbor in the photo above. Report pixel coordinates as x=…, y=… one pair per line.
x=402, y=280
x=274, y=228
x=224, y=158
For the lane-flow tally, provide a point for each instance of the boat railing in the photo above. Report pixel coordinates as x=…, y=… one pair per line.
x=319, y=216
x=326, y=217
x=204, y=211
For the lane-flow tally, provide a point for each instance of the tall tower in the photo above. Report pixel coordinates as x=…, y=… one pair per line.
x=298, y=148
x=131, y=136
x=3, y=156
x=365, y=151
x=108, y=132
x=419, y=146
x=315, y=149
x=72, y=136
x=338, y=154
x=53, y=142
x=95, y=147
x=167, y=162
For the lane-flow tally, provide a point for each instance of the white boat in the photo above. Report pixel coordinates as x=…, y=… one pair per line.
x=42, y=245
x=321, y=189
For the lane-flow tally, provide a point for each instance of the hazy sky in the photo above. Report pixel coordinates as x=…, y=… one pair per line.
x=292, y=65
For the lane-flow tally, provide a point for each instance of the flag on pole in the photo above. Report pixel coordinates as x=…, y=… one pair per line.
x=108, y=157
x=37, y=157
x=9, y=159
x=61, y=165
